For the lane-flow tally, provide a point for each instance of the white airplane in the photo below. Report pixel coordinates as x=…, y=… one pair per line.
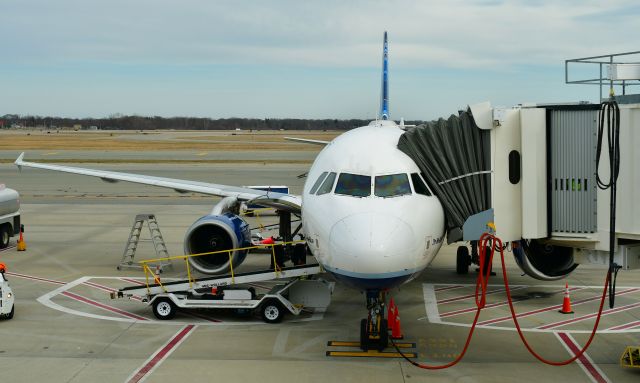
x=367, y=213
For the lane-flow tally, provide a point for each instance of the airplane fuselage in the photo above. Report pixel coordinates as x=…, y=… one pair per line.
x=367, y=213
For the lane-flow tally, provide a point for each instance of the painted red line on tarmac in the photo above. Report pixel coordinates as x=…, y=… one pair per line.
x=584, y=361
x=18, y=275
x=102, y=305
x=202, y=317
x=626, y=326
x=463, y=297
x=134, y=281
x=593, y=315
x=108, y=289
x=551, y=308
x=161, y=354
x=492, y=305
x=100, y=287
x=448, y=288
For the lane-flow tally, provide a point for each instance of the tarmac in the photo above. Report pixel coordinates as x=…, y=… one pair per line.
x=67, y=329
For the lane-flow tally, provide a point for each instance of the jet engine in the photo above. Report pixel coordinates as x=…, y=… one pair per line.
x=213, y=233
x=544, y=261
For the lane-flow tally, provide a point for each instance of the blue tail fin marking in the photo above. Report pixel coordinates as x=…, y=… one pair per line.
x=384, y=97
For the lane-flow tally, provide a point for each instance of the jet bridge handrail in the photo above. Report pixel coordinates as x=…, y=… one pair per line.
x=148, y=272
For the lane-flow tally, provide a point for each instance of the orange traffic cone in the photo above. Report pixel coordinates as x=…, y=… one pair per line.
x=390, y=312
x=156, y=277
x=22, y=245
x=566, y=302
x=396, y=331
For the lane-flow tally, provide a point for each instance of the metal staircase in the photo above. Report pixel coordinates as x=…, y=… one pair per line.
x=135, y=238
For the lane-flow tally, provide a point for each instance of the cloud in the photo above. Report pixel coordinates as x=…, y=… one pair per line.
x=329, y=33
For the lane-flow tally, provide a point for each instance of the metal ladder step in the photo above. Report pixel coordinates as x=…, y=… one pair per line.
x=155, y=237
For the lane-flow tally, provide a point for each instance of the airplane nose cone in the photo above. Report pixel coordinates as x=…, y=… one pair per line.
x=371, y=237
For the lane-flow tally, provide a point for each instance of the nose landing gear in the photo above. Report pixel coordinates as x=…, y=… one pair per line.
x=374, y=330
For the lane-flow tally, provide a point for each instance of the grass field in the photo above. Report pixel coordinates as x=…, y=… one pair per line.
x=158, y=140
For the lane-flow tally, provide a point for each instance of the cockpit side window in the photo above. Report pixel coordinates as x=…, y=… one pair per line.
x=327, y=185
x=392, y=185
x=354, y=185
x=419, y=186
x=318, y=183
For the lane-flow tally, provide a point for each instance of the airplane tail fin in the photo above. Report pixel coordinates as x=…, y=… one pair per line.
x=384, y=97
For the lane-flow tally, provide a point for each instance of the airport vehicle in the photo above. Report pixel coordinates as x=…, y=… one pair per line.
x=374, y=217
x=7, y=306
x=9, y=215
x=233, y=291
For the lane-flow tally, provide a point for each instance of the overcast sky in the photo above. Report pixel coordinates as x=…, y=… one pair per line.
x=298, y=59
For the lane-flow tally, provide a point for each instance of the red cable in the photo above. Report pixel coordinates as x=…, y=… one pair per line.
x=515, y=319
x=481, y=283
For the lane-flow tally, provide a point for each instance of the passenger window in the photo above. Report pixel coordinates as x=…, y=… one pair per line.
x=318, y=183
x=392, y=185
x=419, y=185
x=327, y=185
x=354, y=185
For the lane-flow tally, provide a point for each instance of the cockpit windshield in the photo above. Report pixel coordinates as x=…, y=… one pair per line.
x=392, y=185
x=354, y=185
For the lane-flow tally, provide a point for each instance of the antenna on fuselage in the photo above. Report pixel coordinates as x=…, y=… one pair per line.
x=384, y=97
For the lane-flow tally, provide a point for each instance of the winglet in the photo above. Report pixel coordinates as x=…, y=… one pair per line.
x=19, y=161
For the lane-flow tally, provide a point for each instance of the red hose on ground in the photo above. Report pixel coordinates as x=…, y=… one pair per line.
x=481, y=284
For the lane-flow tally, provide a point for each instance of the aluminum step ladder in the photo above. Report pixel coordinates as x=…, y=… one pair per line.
x=135, y=238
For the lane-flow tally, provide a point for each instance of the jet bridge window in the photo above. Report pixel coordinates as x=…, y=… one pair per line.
x=419, y=186
x=392, y=185
x=354, y=185
x=318, y=183
x=327, y=185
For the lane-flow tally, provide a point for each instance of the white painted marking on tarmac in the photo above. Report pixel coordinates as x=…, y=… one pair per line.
x=431, y=303
x=156, y=359
x=46, y=300
x=433, y=314
x=8, y=248
x=591, y=369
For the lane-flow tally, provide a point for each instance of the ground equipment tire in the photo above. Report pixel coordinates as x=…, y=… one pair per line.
x=272, y=311
x=462, y=260
x=13, y=310
x=164, y=309
x=4, y=236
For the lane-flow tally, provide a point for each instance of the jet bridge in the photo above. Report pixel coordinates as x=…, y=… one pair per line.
x=530, y=171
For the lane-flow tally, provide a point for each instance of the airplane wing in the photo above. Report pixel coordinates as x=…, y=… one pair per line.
x=288, y=202
x=308, y=141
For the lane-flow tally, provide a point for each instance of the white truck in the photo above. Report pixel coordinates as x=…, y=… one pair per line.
x=6, y=297
x=9, y=215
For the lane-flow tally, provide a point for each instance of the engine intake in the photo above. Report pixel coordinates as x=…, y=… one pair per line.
x=544, y=261
x=213, y=233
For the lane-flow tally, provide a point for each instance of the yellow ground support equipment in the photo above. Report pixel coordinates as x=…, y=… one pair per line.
x=630, y=357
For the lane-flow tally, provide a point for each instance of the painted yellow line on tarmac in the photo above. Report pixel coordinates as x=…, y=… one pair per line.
x=370, y=354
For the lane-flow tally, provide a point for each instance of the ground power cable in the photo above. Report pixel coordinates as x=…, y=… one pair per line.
x=610, y=113
x=481, y=283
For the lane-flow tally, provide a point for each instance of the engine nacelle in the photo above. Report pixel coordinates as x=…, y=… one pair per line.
x=214, y=233
x=544, y=261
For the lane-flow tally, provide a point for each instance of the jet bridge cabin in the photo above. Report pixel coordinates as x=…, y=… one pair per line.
x=532, y=172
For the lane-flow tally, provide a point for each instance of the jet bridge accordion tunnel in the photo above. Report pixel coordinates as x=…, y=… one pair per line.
x=531, y=171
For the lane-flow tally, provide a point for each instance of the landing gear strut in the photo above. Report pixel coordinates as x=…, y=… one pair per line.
x=374, y=332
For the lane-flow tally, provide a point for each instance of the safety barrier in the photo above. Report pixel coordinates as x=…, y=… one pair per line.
x=148, y=272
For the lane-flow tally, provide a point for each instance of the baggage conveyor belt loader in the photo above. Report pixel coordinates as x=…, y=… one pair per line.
x=233, y=292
